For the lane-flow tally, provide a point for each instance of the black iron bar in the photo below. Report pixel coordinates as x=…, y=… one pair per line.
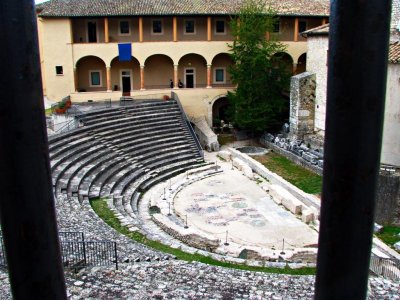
x=358, y=50
x=27, y=207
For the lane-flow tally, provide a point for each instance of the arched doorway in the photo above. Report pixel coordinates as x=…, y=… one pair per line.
x=91, y=74
x=158, y=70
x=284, y=59
x=220, y=111
x=125, y=75
x=193, y=70
x=302, y=63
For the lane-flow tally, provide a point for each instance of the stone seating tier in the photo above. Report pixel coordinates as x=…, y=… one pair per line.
x=135, y=115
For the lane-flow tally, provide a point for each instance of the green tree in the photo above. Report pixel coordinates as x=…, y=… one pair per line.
x=258, y=70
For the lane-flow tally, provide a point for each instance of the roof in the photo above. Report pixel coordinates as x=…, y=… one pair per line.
x=97, y=8
x=394, y=47
x=320, y=30
x=394, y=53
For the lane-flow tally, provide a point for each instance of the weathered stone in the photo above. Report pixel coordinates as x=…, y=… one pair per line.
x=225, y=155
x=307, y=216
x=397, y=246
x=377, y=228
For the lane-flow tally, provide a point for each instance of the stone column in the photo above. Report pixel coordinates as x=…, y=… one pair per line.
x=294, y=68
x=209, y=77
x=75, y=80
x=175, y=28
x=106, y=36
x=140, y=29
x=208, y=28
x=296, y=29
x=142, y=78
x=108, y=74
x=176, y=76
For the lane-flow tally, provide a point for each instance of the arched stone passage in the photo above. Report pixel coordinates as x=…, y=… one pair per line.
x=91, y=74
x=220, y=111
x=302, y=63
x=285, y=59
x=158, y=70
x=193, y=70
x=125, y=75
x=220, y=70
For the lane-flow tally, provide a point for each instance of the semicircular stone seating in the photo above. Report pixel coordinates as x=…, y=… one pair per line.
x=121, y=152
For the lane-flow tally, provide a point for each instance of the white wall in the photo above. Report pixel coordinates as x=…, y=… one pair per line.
x=317, y=63
x=391, y=132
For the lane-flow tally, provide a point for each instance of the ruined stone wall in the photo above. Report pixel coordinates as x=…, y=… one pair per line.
x=387, y=210
x=302, y=104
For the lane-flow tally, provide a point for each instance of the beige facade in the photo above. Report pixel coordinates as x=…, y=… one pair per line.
x=190, y=48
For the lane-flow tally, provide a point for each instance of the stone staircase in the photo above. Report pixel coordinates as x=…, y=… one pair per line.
x=121, y=152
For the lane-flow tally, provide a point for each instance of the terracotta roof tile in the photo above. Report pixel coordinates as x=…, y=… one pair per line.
x=86, y=8
x=394, y=53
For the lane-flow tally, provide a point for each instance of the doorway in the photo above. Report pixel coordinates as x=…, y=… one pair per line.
x=190, y=78
x=92, y=32
x=126, y=82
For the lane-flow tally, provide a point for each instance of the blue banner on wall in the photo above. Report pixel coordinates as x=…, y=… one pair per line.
x=124, y=52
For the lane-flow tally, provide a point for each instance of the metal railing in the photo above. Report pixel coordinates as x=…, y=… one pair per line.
x=77, y=253
x=175, y=97
x=83, y=254
x=386, y=267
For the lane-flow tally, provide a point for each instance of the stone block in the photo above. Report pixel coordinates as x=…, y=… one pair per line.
x=274, y=191
x=292, y=204
x=377, y=228
x=320, y=163
x=269, y=137
x=307, y=216
x=310, y=157
x=225, y=155
x=397, y=246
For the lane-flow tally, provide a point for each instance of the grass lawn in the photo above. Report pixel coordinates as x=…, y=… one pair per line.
x=304, y=179
x=101, y=208
x=390, y=235
x=47, y=112
x=224, y=139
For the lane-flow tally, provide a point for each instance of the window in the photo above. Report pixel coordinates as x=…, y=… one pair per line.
x=124, y=28
x=189, y=27
x=302, y=26
x=277, y=26
x=219, y=75
x=59, y=70
x=157, y=27
x=95, y=78
x=220, y=27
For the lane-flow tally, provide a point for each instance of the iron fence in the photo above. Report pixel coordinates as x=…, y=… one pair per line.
x=81, y=254
x=77, y=253
x=385, y=267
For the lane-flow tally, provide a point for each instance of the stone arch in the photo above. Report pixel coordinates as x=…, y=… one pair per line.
x=91, y=74
x=220, y=75
x=219, y=110
x=158, y=70
x=301, y=63
x=192, y=70
x=117, y=67
x=286, y=59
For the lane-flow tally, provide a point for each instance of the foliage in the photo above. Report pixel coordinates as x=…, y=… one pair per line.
x=390, y=235
x=302, y=178
x=258, y=70
x=102, y=210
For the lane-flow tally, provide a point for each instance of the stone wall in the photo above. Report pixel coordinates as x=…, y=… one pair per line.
x=302, y=104
x=190, y=238
x=387, y=210
x=308, y=200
